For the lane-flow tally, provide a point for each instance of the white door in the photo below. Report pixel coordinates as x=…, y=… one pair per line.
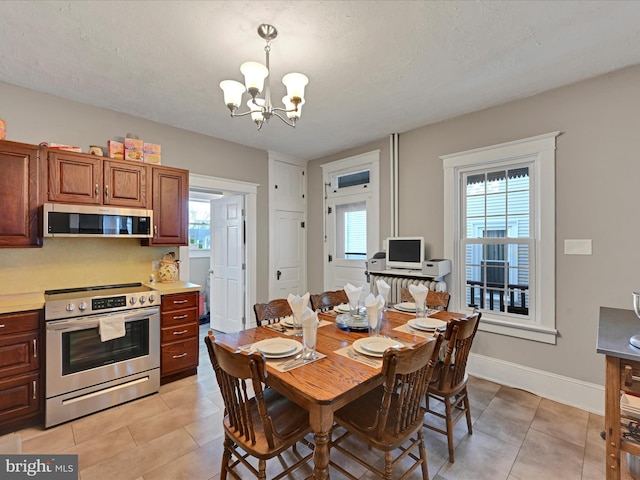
x=347, y=242
x=289, y=254
x=227, y=277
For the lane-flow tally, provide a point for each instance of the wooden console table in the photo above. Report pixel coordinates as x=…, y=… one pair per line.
x=622, y=375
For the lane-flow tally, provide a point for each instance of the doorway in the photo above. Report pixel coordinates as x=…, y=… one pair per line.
x=217, y=189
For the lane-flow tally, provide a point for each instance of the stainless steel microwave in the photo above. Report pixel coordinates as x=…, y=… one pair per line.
x=65, y=220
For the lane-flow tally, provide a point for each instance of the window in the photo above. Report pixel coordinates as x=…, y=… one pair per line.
x=500, y=234
x=351, y=241
x=199, y=224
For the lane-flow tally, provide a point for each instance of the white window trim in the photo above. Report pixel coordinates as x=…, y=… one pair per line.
x=542, y=149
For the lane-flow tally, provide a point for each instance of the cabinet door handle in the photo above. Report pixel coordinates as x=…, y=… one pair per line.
x=179, y=317
x=155, y=231
x=106, y=191
x=180, y=301
x=2, y=325
x=97, y=190
x=180, y=356
x=182, y=332
x=35, y=390
x=35, y=348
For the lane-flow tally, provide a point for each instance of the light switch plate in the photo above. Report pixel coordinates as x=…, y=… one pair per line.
x=577, y=247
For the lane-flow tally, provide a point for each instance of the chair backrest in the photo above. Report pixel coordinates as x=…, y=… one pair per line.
x=459, y=337
x=437, y=300
x=241, y=378
x=271, y=311
x=407, y=373
x=326, y=300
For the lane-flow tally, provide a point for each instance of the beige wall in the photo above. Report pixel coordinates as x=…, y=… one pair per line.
x=34, y=117
x=597, y=178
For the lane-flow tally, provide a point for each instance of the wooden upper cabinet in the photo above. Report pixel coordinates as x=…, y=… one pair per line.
x=19, y=195
x=86, y=179
x=170, y=206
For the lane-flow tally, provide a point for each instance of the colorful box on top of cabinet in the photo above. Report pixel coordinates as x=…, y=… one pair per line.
x=152, y=153
x=133, y=149
x=116, y=150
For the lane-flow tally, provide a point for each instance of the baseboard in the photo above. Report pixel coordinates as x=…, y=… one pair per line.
x=570, y=391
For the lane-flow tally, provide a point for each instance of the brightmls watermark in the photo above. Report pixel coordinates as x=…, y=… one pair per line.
x=46, y=467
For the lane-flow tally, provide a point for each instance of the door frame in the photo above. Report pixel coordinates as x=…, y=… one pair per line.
x=250, y=192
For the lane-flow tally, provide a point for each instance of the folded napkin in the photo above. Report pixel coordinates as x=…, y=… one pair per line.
x=353, y=293
x=297, y=304
x=374, y=306
x=383, y=289
x=419, y=293
x=112, y=327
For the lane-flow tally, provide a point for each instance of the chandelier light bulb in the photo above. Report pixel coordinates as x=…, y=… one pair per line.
x=254, y=75
x=256, y=110
x=291, y=108
x=232, y=93
x=295, y=83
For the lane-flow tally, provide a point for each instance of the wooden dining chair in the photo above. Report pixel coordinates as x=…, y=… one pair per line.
x=258, y=421
x=435, y=300
x=389, y=418
x=272, y=311
x=327, y=300
x=449, y=383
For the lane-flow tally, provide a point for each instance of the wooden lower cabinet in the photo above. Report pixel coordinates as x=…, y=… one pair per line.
x=21, y=375
x=179, y=336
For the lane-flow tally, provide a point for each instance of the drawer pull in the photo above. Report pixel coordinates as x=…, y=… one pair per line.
x=106, y=191
x=35, y=348
x=182, y=332
x=180, y=317
x=180, y=301
x=629, y=377
x=97, y=191
x=35, y=390
x=2, y=326
x=180, y=356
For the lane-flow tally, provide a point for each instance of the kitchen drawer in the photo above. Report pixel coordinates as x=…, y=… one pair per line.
x=11, y=323
x=179, y=332
x=179, y=301
x=179, y=317
x=19, y=353
x=179, y=356
x=630, y=375
x=19, y=396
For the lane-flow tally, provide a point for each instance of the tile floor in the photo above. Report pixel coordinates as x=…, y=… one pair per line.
x=176, y=434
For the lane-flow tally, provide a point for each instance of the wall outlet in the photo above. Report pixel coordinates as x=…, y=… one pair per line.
x=577, y=247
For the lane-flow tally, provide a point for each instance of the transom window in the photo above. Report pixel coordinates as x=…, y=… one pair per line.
x=500, y=234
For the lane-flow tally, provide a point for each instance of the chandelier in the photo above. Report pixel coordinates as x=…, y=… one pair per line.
x=256, y=80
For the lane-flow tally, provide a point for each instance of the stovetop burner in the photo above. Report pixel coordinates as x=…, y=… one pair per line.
x=82, y=301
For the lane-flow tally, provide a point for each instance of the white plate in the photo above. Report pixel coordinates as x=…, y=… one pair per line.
x=354, y=323
x=277, y=347
x=342, y=308
x=374, y=346
x=427, y=324
x=405, y=307
x=287, y=321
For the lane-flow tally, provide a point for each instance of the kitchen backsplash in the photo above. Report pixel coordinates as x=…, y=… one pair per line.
x=76, y=262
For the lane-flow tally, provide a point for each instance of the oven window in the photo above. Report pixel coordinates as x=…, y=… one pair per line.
x=83, y=350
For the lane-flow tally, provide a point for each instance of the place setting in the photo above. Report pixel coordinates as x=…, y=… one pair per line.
x=351, y=316
x=422, y=325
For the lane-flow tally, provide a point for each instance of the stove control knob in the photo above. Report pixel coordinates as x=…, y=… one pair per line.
x=70, y=307
x=133, y=300
x=83, y=306
x=152, y=298
x=143, y=299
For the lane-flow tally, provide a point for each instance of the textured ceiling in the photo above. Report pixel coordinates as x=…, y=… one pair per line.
x=375, y=67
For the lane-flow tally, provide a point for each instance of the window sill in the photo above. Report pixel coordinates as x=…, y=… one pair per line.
x=527, y=332
x=199, y=253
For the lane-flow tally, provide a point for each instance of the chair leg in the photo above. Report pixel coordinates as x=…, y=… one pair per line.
x=449, y=415
x=388, y=465
x=423, y=455
x=226, y=457
x=262, y=469
x=467, y=408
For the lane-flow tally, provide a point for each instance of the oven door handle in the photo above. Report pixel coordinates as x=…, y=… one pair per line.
x=71, y=324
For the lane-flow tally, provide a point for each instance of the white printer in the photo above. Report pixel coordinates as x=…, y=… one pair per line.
x=377, y=263
x=436, y=267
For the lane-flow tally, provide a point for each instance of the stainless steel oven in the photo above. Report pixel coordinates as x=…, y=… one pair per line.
x=86, y=372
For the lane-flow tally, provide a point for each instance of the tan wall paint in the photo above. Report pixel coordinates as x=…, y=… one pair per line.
x=34, y=117
x=597, y=184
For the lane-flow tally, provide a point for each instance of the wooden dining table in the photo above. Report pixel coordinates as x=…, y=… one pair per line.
x=325, y=385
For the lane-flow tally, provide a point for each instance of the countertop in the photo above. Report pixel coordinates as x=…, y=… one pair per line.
x=615, y=328
x=22, y=302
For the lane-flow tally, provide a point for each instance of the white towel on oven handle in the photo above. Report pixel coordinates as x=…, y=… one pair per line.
x=112, y=327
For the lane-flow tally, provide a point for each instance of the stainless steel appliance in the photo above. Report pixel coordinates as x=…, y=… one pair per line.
x=85, y=374
x=65, y=220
